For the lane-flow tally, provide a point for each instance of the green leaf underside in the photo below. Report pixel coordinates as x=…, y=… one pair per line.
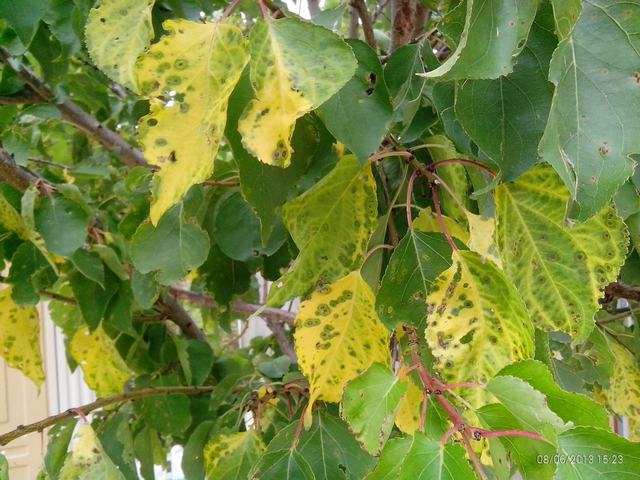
x=559, y=271
x=331, y=224
x=369, y=406
x=495, y=32
x=588, y=136
x=477, y=323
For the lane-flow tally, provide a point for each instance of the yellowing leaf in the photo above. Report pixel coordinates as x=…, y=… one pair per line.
x=232, y=455
x=104, y=369
x=88, y=460
x=117, y=31
x=428, y=222
x=295, y=67
x=189, y=75
x=478, y=323
x=624, y=388
x=481, y=237
x=331, y=224
x=20, y=337
x=338, y=336
x=558, y=270
x=408, y=416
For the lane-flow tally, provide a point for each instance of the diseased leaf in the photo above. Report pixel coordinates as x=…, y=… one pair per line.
x=20, y=337
x=104, y=369
x=595, y=105
x=559, y=271
x=295, y=67
x=369, y=406
x=338, y=336
x=506, y=117
x=188, y=75
x=331, y=224
x=477, y=323
x=495, y=32
x=117, y=31
x=88, y=459
x=415, y=264
x=232, y=455
x=624, y=388
x=408, y=415
x=427, y=221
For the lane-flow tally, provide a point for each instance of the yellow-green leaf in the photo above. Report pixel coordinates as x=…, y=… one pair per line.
x=88, y=460
x=338, y=336
x=188, y=75
x=482, y=237
x=624, y=388
x=295, y=67
x=232, y=455
x=117, y=31
x=104, y=369
x=20, y=337
x=408, y=416
x=427, y=221
x=331, y=224
x=559, y=271
x=478, y=323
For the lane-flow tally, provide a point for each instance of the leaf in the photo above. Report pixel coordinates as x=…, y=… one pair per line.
x=408, y=415
x=295, y=67
x=338, y=336
x=232, y=455
x=58, y=445
x=427, y=221
x=415, y=264
x=495, y=32
x=624, y=387
x=117, y=31
x=4, y=468
x=559, y=271
x=193, y=457
x=506, y=117
x=178, y=247
x=603, y=455
x=419, y=458
x=593, y=109
x=571, y=407
x=104, y=369
x=29, y=274
x=89, y=265
x=477, y=323
x=360, y=113
x=331, y=224
x=201, y=63
x=24, y=17
x=63, y=224
x=482, y=237
x=116, y=437
x=369, y=406
x=92, y=299
x=88, y=459
x=566, y=14
x=327, y=450
x=168, y=414
x=20, y=338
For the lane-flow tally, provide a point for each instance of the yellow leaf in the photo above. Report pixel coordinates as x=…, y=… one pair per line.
x=188, y=75
x=295, y=67
x=117, y=31
x=477, y=323
x=624, y=388
x=20, y=337
x=408, y=416
x=482, y=237
x=428, y=222
x=88, y=459
x=338, y=336
x=104, y=369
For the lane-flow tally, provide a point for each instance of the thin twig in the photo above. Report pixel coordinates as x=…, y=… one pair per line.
x=443, y=226
x=365, y=19
x=412, y=179
x=465, y=161
x=229, y=10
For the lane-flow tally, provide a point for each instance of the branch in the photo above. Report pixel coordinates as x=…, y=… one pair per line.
x=620, y=290
x=77, y=117
x=367, y=27
x=182, y=319
x=13, y=174
x=403, y=13
x=26, y=97
x=101, y=403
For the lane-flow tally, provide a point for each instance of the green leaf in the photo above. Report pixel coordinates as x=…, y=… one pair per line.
x=338, y=335
x=90, y=265
x=117, y=31
x=495, y=31
x=193, y=457
x=565, y=14
x=360, y=113
x=111, y=260
x=88, y=459
x=506, y=117
x=571, y=407
x=201, y=63
x=170, y=414
x=276, y=368
x=295, y=67
x=596, y=453
x=419, y=458
x=178, y=247
x=145, y=289
x=415, y=264
x=23, y=16
x=20, y=338
x=369, y=405
x=29, y=273
x=327, y=450
x=477, y=323
x=331, y=224
x=443, y=98
x=59, y=438
x=116, y=437
x=63, y=224
x=92, y=299
x=196, y=359
x=232, y=455
x=559, y=271
x=4, y=468
x=594, y=105
x=224, y=276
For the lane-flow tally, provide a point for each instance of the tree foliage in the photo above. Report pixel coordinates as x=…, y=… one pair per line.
x=438, y=225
